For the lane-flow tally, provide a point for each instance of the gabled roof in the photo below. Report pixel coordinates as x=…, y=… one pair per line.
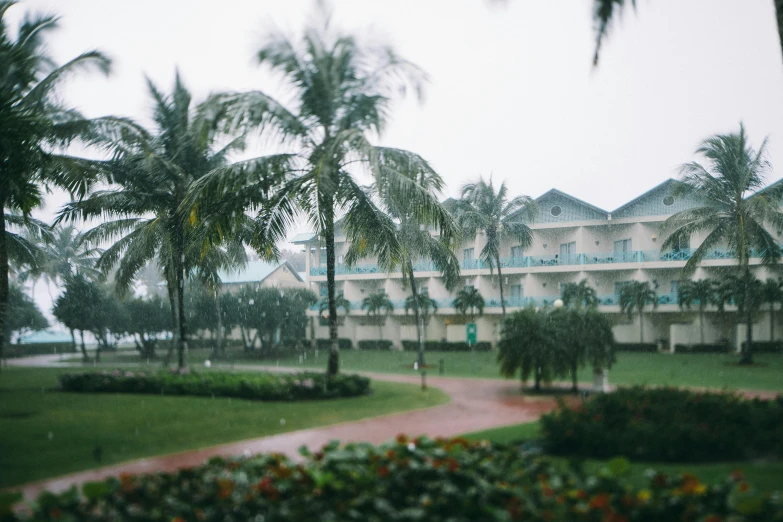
x=555, y=206
x=304, y=237
x=651, y=203
x=254, y=272
x=555, y=192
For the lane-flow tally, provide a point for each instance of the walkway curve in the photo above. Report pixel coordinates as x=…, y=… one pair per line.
x=476, y=404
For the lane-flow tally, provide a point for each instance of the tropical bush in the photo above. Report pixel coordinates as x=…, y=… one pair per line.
x=702, y=348
x=447, y=346
x=766, y=346
x=405, y=480
x=375, y=344
x=342, y=343
x=257, y=386
x=636, y=347
x=667, y=424
x=22, y=350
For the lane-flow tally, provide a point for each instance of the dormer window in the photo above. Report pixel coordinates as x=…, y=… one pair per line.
x=556, y=210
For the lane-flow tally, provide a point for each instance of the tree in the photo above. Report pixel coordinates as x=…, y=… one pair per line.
x=701, y=293
x=152, y=171
x=527, y=345
x=294, y=305
x=423, y=308
x=23, y=315
x=343, y=92
x=635, y=296
x=469, y=298
x=483, y=209
x=25, y=241
x=744, y=293
x=34, y=126
x=147, y=319
x=581, y=334
x=379, y=306
x=735, y=208
x=83, y=306
x=772, y=293
x=579, y=295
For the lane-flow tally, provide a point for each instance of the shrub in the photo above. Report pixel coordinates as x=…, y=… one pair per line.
x=342, y=343
x=701, y=348
x=256, y=386
x=407, y=480
x=636, y=347
x=667, y=424
x=765, y=346
x=375, y=344
x=446, y=346
x=22, y=350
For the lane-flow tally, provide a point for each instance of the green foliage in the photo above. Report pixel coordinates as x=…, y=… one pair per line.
x=146, y=319
x=579, y=295
x=766, y=346
x=634, y=297
x=702, y=348
x=667, y=424
x=469, y=299
x=342, y=344
x=636, y=347
x=407, y=480
x=257, y=386
x=447, y=346
x=375, y=344
x=23, y=315
x=23, y=350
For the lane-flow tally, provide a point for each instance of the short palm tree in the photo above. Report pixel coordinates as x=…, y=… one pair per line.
x=579, y=295
x=34, y=125
x=151, y=172
x=701, y=293
x=342, y=95
x=634, y=297
x=736, y=209
x=426, y=307
x=340, y=302
x=379, y=306
x=469, y=299
x=772, y=294
x=502, y=220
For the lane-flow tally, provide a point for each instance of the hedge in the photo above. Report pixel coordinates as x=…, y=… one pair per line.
x=636, y=347
x=375, y=344
x=765, y=346
x=445, y=346
x=701, y=348
x=406, y=480
x=257, y=386
x=22, y=350
x=667, y=424
x=342, y=343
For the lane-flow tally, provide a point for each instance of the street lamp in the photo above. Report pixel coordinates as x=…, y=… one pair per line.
x=558, y=303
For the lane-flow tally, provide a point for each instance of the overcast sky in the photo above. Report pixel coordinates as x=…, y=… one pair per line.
x=512, y=89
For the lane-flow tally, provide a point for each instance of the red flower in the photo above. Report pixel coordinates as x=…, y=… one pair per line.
x=55, y=513
x=383, y=471
x=453, y=465
x=225, y=488
x=401, y=439
x=744, y=487
x=737, y=475
x=548, y=492
x=713, y=518
x=660, y=480
x=391, y=454
x=600, y=501
x=597, y=417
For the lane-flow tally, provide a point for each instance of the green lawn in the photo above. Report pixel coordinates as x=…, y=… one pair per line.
x=46, y=433
x=701, y=370
x=765, y=475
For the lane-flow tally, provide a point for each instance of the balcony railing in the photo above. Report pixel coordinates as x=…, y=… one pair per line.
x=602, y=258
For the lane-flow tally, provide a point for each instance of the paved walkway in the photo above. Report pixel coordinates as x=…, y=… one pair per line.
x=476, y=404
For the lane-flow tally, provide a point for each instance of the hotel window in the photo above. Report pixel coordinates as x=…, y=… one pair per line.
x=684, y=243
x=517, y=252
x=516, y=291
x=567, y=252
x=467, y=254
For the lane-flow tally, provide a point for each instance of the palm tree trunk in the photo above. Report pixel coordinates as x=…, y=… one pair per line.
x=701, y=324
x=500, y=285
x=416, y=313
x=73, y=340
x=219, y=338
x=179, y=264
x=772, y=322
x=779, y=13
x=3, y=279
x=747, y=353
x=84, y=348
x=641, y=327
x=333, y=366
x=574, y=386
x=171, y=289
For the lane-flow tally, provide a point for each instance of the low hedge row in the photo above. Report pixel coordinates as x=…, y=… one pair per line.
x=257, y=386
x=407, y=480
x=342, y=343
x=446, y=346
x=375, y=344
x=766, y=346
x=636, y=347
x=22, y=350
x=701, y=348
x=666, y=424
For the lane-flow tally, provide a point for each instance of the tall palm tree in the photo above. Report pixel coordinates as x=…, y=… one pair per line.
x=701, y=293
x=343, y=92
x=772, y=293
x=579, y=295
x=423, y=307
x=469, y=298
x=151, y=172
x=26, y=240
x=379, y=306
x=34, y=126
x=736, y=207
x=501, y=219
x=635, y=296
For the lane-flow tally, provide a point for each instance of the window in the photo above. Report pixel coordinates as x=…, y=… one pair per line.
x=623, y=250
x=323, y=256
x=467, y=254
x=517, y=252
x=556, y=210
x=424, y=290
x=668, y=201
x=618, y=286
x=516, y=291
x=675, y=288
x=684, y=243
x=568, y=252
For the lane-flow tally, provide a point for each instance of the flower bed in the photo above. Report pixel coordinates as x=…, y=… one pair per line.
x=257, y=386
x=407, y=480
x=665, y=424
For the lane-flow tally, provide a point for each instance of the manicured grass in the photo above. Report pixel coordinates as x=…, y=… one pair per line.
x=45, y=433
x=698, y=370
x=764, y=475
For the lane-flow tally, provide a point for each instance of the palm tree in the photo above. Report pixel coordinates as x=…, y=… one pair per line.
x=151, y=172
x=342, y=95
x=340, y=302
x=469, y=299
x=426, y=307
x=771, y=293
x=379, y=306
x=701, y=293
x=635, y=296
x=26, y=240
x=579, y=295
x=34, y=125
x=483, y=209
x=727, y=215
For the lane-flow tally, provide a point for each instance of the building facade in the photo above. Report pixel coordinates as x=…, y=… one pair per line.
x=572, y=241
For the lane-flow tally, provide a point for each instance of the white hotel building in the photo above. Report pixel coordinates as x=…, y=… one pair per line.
x=572, y=240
